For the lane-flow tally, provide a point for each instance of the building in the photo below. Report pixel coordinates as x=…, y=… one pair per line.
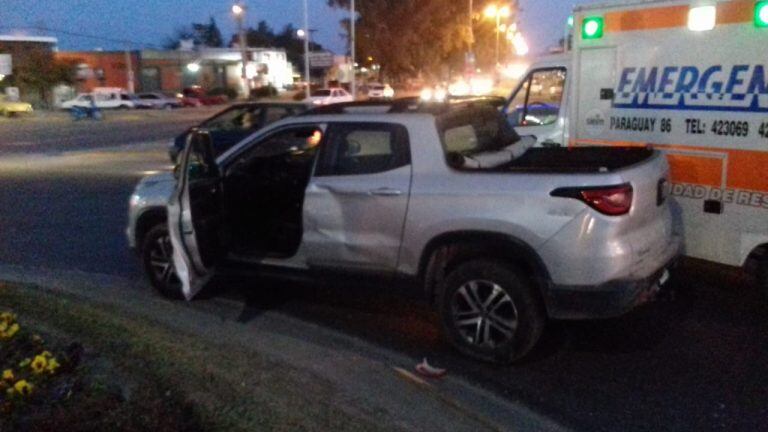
x=103, y=68
x=23, y=52
x=171, y=71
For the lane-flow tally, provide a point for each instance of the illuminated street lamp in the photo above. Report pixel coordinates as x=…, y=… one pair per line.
x=193, y=67
x=238, y=10
x=495, y=12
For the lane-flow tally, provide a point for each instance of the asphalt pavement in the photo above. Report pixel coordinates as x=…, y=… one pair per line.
x=693, y=362
x=57, y=131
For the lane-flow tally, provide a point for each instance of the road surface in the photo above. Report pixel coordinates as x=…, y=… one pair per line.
x=697, y=362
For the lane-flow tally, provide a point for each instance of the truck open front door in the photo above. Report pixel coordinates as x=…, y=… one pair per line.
x=194, y=214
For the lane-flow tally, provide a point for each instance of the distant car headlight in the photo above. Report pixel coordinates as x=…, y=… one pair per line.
x=440, y=94
x=426, y=94
x=389, y=92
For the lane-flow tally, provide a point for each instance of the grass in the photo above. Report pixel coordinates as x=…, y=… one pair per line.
x=140, y=375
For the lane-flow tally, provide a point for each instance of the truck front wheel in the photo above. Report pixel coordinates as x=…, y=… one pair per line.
x=157, y=259
x=489, y=310
x=762, y=277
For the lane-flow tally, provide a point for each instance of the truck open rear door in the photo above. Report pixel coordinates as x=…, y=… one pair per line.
x=195, y=214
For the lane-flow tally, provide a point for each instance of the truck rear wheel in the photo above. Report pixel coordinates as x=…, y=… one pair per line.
x=489, y=310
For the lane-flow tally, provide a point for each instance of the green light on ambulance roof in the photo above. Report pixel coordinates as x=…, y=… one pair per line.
x=761, y=14
x=592, y=27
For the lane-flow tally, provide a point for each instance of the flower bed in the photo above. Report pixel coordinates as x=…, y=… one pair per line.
x=28, y=366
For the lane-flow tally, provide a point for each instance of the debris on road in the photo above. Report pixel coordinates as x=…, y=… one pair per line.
x=429, y=371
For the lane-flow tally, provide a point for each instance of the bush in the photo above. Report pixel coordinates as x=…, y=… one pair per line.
x=223, y=91
x=266, y=91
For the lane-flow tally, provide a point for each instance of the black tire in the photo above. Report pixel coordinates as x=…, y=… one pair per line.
x=156, y=250
x=516, y=308
x=761, y=277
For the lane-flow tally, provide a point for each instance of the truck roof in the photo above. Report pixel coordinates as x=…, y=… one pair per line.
x=614, y=4
x=409, y=105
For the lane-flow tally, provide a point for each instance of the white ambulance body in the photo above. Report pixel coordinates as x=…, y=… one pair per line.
x=686, y=77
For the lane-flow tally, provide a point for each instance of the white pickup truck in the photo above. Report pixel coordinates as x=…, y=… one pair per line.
x=499, y=235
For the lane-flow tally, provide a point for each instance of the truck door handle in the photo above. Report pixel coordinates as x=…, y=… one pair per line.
x=385, y=192
x=550, y=144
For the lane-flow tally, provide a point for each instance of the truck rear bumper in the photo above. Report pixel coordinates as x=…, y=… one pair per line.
x=612, y=299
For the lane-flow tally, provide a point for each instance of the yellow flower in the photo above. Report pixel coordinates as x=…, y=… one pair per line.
x=9, y=332
x=25, y=363
x=3, y=326
x=7, y=317
x=23, y=387
x=38, y=364
x=8, y=375
x=53, y=364
x=12, y=330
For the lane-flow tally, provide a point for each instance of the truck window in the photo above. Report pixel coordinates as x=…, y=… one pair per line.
x=538, y=100
x=357, y=149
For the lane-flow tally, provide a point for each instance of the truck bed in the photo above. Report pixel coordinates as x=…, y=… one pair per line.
x=578, y=159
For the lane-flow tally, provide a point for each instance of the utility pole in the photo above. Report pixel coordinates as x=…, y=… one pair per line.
x=352, y=19
x=129, y=71
x=306, y=47
x=239, y=11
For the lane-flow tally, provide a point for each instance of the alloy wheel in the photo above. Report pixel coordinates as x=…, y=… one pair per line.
x=484, y=314
x=161, y=262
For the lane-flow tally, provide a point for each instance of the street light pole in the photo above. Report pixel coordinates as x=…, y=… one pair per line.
x=306, y=47
x=498, y=34
x=352, y=19
x=239, y=11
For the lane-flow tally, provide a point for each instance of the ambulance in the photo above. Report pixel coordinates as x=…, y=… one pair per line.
x=687, y=77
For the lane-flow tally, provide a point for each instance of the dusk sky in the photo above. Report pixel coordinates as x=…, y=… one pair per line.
x=151, y=21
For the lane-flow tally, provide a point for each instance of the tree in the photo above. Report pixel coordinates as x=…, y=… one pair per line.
x=420, y=37
x=41, y=73
x=206, y=35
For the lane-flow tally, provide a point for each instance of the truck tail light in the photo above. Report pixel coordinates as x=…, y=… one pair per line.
x=608, y=200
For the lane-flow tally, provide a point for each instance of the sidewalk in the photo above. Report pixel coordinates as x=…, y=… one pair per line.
x=327, y=371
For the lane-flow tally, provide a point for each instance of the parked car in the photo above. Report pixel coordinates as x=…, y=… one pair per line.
x=201, y=96
x=499, y=235
x=329, y=96
x=233, y=124
x=158, y=101
x=10, y=108
x=103, y=100
x=380, y=91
